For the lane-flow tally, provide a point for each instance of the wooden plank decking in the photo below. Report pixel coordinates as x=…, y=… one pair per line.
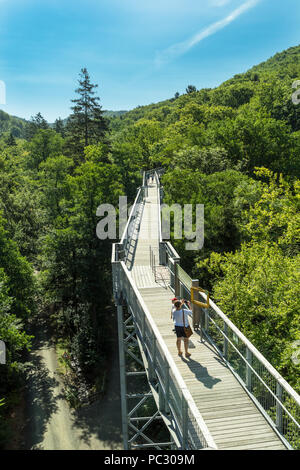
x=230, y=415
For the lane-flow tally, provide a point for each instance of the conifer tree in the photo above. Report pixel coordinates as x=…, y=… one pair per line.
x=87, y=124
x=36, y=123
x=190, y=89
x=59, y=127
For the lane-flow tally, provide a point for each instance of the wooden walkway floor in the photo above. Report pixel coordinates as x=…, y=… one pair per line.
x=232, y=418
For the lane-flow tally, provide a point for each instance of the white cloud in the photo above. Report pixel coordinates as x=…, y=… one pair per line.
x=182, y=47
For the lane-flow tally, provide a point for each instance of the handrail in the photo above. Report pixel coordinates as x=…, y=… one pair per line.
x=276, y=399
x=170, y=248
x=253, y=349
x=160, y=241
x=184, y=278
x=126, y=229
x=159, y=208
x=257, y=375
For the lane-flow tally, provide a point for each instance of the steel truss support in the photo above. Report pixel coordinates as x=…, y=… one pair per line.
x=134, y=403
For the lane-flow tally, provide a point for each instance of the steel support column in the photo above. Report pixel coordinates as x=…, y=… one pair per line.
x=122, y=376
x=135, y=426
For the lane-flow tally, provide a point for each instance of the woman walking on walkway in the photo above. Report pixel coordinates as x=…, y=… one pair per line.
x=181, y=320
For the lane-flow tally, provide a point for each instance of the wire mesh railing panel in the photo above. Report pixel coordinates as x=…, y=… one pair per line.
x=196, y=440
x=148, y=341
x=235, y=352
x=175, y=399
x=290, y=429
x=171, y=267
x=183, y=277
x=278, y=401
x=278, y=404
x=263, y=387
x=160, y=362
x=213, y=327
x=132, y=223
x=184, y=292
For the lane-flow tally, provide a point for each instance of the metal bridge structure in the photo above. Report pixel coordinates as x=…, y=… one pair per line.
x=226, y=396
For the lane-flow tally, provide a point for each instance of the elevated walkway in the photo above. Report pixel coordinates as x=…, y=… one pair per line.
x=226, y=414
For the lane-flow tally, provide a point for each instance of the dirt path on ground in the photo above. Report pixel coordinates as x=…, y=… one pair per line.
x=50, y=423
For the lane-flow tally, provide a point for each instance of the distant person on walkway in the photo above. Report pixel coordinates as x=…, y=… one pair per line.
x=181, y=315
x=173, y=309
x=173, y=306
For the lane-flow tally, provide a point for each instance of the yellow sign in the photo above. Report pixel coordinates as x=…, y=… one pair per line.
x=197, y=302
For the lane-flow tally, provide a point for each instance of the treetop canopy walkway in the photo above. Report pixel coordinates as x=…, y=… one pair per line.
x=226, y=395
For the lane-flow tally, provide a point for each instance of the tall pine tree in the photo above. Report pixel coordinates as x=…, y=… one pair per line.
x=87, y=124
x=59, y=127
x=36, y=123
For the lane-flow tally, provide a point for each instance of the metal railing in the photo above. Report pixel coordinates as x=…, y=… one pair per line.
x=153, y=263
x=276, y=399
x=175, y=399
x=127, y=241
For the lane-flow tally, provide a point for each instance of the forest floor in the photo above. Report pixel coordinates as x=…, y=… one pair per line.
x=48, y=421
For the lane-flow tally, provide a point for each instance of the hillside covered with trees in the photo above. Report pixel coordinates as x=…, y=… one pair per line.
x=234, y=148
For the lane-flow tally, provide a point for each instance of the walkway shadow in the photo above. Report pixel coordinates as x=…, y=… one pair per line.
x=201, y=373
x=101, y=421
x=40, y=390
x=213, y=350
x=41, y=402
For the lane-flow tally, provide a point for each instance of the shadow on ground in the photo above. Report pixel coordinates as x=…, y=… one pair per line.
x=41, y=402
x=101, y=421
x=201, y=372
x=49, y=422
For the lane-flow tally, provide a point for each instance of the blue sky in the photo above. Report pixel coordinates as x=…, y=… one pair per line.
x=138, y=51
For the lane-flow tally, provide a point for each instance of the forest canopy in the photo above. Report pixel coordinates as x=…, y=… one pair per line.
x=234, y=148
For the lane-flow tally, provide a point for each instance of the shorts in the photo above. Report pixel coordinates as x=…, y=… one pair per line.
x=180, y=333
